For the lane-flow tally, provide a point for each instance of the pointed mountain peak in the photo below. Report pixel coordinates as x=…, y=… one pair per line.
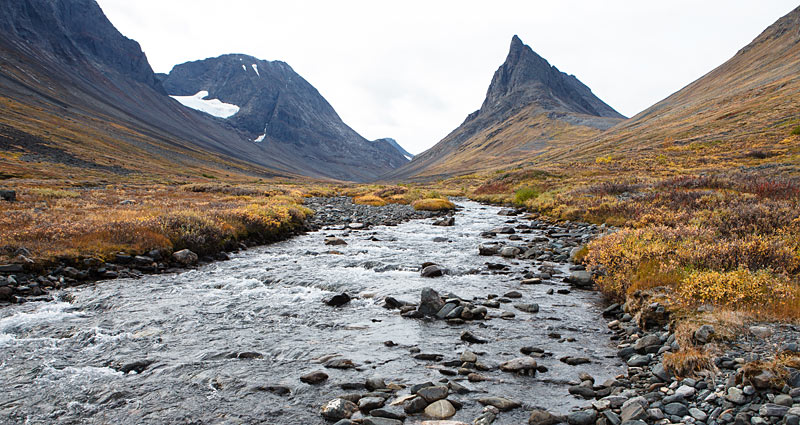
x=516, y=43
x=526, y=78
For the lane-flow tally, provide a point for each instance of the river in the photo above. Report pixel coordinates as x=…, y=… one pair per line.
x=65, y=361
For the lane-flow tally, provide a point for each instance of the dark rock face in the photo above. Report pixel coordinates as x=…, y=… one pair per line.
x=526, y=77
x=291, y=115
x=60, y=27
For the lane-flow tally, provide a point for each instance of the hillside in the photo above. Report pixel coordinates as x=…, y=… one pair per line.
x=748, y=103
x=78, y=98
x=282, y=114
x=530, y=107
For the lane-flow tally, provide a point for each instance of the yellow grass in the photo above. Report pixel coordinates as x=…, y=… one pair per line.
x=55, y=223
x=373, y=200
x=433, y=204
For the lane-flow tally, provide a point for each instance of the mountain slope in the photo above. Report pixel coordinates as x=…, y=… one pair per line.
x=750, y=102
x=530, y=107
x=75, y=91
x=283, y=114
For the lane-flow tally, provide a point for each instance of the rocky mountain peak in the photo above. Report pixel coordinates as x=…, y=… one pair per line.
x=526, y=78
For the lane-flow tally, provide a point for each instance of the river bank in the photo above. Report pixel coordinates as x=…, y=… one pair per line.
x=480, y=319
x=22, y=281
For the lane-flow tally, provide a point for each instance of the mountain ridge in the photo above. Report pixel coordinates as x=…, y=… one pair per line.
x=282, y=111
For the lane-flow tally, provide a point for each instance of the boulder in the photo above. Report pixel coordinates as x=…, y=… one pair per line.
x=381, y=421
x=314, y=378
x=580, y=278
x=520, y=365
x=501, y=403
x=338, y=300
x=184, y=257
x=332, y=240
x=430, y=302
x=8, y=195
x=432, y=271
x=441, y=409
x=543, y=417
x=337, y=409
x=488, y=250
x=445, y=221
x=433, y=393
x=527, y=307
x=704, y=333
x=509, y=251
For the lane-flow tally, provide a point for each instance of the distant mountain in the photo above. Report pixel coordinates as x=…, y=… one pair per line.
x=280, y=112
x=393, y=143
x=530, y=107
x=78, y=97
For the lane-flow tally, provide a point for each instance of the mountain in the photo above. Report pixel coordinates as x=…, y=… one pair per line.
x=281, y=113
x=749, y=103
x=393, y=143
x=78, y=97
x=530, y=107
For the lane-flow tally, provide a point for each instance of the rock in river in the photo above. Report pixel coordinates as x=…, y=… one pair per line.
x=430, y=302
x=526, y=365
x=338, y=409
x=184, y=257
x=432, y=271
x=441, y=409
x=314, y=378
x=501, y=403
x=338, y=300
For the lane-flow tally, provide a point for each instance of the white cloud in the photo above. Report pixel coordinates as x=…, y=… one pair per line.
x=413, y=70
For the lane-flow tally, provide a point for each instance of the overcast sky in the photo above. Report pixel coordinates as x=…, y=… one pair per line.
x=413, y=70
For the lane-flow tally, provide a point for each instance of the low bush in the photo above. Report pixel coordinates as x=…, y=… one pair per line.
x=433, y=204
x=373, y=200
x=524, y=194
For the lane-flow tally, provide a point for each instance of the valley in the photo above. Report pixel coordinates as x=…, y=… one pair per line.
x=216, y=245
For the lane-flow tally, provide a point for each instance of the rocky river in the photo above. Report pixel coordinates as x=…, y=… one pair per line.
x=229, y=341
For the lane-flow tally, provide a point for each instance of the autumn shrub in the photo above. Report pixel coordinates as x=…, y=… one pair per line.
x=740, y=288
x=796, y=131
x=433, y=204
x=523, y=194
x=391, y=191
x=373, y=200
x=688, y=362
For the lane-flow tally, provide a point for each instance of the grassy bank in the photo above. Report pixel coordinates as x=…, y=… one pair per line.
x=709, y=226
x=62, y=223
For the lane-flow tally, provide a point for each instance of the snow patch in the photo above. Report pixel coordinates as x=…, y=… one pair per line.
x=213, y=107
x=255, y=68
x=408, y=157
x=260, y=138
x=244, y=68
